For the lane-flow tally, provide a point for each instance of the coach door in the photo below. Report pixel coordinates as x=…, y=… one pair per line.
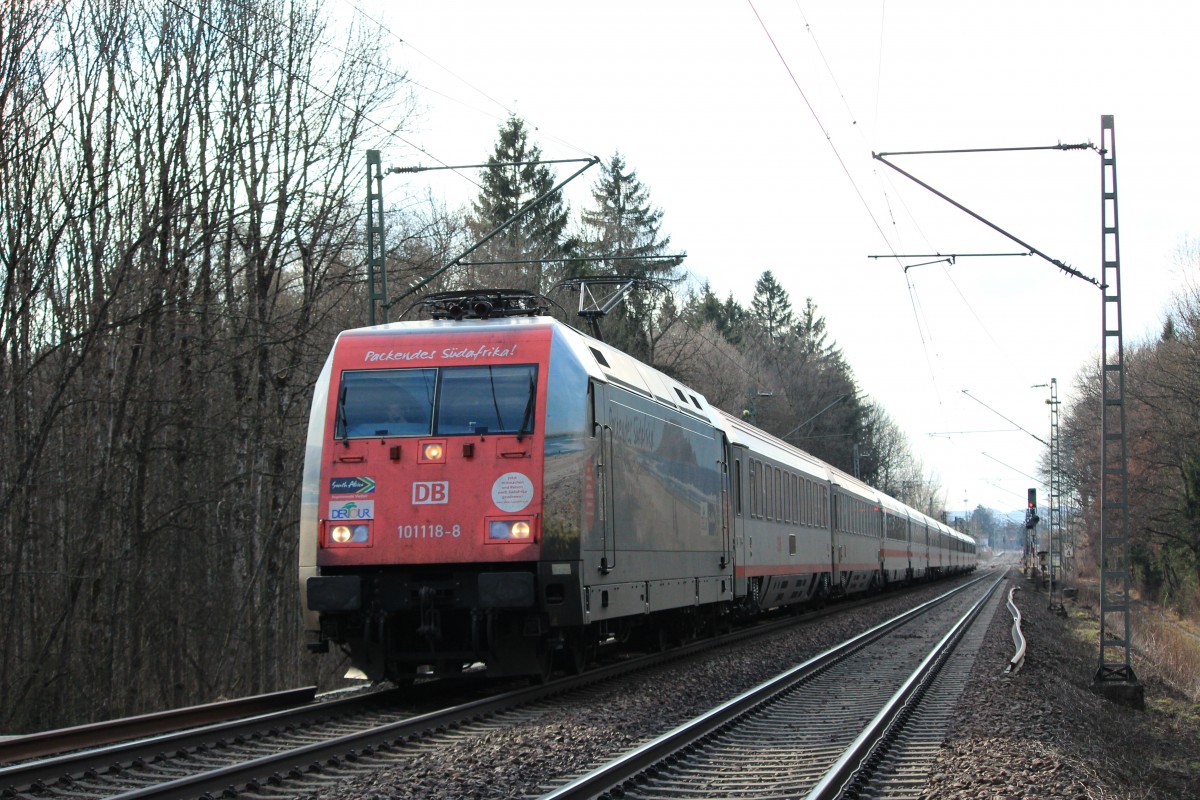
x=908, y=544
x=733, y=522
x=837, y=538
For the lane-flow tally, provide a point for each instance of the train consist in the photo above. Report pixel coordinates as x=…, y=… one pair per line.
x=494, y=486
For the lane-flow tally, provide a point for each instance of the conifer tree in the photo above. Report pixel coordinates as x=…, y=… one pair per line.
x=539, y=234
x=727, y=317
x=624, y=228
x=622, y=223
x=771, y=309
x=809, y=332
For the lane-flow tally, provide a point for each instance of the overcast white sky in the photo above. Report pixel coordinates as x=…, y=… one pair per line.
x=762, y=160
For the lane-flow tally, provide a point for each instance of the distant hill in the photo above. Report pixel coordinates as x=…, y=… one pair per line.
x=1016, y=517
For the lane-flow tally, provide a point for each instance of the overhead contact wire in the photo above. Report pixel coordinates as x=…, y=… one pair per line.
x=409, y=45
x=828, y=137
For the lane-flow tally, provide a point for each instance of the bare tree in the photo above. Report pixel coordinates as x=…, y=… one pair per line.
x=183, y=212
x=699, y=356
x=1162, y=383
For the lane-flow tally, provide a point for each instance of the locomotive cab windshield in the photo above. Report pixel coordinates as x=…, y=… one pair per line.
x=446, y=401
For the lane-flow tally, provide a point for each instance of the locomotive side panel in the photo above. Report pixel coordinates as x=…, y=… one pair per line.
x=310, y=493
x=657, y=507
x=568, y=487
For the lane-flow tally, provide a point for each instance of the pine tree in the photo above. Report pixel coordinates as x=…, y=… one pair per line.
x=771, y=309
x=728, y=317
x=539, y=234
x=623, y=223
x=624, y=228
x=810, y=334
x=735, y=318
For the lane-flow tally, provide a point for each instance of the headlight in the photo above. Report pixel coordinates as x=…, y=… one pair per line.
x=350, y=534
x=432, y=453
x=509, y=530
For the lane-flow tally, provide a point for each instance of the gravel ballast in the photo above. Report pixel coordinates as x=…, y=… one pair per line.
x=1038, y=734
x=1042, y=733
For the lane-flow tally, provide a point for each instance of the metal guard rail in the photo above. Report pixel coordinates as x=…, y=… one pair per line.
x=1018, y=660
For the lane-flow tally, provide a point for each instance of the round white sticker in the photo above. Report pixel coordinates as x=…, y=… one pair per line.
x=512, y=491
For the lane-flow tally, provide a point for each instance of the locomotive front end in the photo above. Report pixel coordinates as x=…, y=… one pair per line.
x=425, y=521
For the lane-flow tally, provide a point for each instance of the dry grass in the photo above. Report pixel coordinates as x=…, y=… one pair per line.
x=1168, y=642
x=1170, y=646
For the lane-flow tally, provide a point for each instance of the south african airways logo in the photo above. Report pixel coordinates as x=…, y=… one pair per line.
x=351, y=485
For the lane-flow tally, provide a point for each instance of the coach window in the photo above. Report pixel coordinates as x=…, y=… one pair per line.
x=487, y=399
x=591, y=395
x=787, y=496
x=385, y=402
x=765, y=475
x=737, y=484
x=778, y=494
x=768, y=493
x=798, y=500
x=753, y=486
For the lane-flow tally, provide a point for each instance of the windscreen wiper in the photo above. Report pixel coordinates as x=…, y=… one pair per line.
x=528, y=418
x=341, y=415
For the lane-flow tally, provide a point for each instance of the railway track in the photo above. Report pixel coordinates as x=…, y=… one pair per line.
x=867, y=714
x=62, y=740
x=302, y=750
x=109, y=758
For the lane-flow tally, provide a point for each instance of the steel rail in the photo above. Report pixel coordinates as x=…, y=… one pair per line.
x=272, y=769
x=852, y=764
x=151, y=747
x=96, y=734
x=626, y=767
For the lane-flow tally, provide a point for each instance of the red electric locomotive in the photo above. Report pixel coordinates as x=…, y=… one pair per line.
x=493, y=486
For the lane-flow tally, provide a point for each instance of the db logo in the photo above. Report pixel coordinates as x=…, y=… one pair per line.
x=431, y=493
